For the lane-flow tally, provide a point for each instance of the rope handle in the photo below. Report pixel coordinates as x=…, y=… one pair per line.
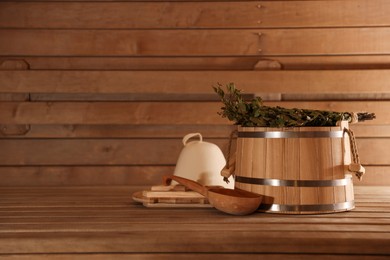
x=355, y=166
x=229, y=168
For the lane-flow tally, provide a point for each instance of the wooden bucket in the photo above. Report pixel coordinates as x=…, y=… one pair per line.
x=301, y=170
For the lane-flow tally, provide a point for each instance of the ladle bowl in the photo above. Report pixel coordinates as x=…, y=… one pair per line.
x=235, y=202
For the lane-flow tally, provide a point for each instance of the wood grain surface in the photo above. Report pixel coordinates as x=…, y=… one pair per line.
x=294, y=62
x=101, y=92
x=199, y=14
x=97, y=94
x=105, y=221
x=195, y=82
x=180, y=42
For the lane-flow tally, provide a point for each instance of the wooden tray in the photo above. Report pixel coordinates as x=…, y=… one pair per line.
x=171, y=197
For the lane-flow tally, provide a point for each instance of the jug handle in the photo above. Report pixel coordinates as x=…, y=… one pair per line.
x=189, y=136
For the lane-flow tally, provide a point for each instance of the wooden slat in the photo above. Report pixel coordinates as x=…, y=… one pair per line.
x=374, y=151
x=127, y=15
x=13, y=64
x=128, y=42
x=148, y=131
x=199, y=97
x=205, y=63
x=376, y=176
x=349, y=41
x=83, y=176
x=334, y=97
x=139, y=63
x=57, y=225
x=324, y=41
x=177, y=113
x=116, y=131
x=337, y=81
x=173, y=256
x=194, y=14
x=111, y=113
x=124, y=175
x=361, y=130
x=333, y=62
x=9, y=208
x=132, y=152
x=120, y=175
x=180, y=241
x=93, y=152
x=324, y=13
x=13, y=97
x=129, y=97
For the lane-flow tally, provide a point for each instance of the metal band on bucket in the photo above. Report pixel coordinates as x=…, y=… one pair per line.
x=294, y=183
x=308, y=208
x=291, y=134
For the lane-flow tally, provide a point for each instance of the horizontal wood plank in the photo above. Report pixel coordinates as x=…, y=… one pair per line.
x=173, y=256
x=133, y=15
x=194, y=82
x=129, y=152
x=333, y=62
x=203, y=63
x=361, y=130
x=125, y=152
x=111, y=113
x=39, y=176
x=374, y=151
x=13, y=97
x=128, y=97
x=128, y=42
x=157, y=113
x=138, y=63
x=120, y=131
x=180, y=42
x=376, y=176
x=225, y=14
x=149, y=131
x=83, y=176
x=179, y=241
x=334, y=97
x=57, y=225
x=323, y=13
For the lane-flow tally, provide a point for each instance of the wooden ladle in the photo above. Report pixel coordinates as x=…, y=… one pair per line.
x=235, y=202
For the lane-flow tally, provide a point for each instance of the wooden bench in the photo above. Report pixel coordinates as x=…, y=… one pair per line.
x=104, y=223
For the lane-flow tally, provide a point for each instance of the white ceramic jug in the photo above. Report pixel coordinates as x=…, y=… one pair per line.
x=202, y=162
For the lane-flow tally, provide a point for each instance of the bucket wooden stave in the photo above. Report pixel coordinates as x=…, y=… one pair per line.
x=300, y=170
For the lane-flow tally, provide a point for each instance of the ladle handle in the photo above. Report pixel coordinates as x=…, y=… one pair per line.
x=192, y=185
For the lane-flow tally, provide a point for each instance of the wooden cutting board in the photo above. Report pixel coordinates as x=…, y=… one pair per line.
x=171, y=197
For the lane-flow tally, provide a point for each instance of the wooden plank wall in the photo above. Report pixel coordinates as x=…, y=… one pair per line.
x=101, y=92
